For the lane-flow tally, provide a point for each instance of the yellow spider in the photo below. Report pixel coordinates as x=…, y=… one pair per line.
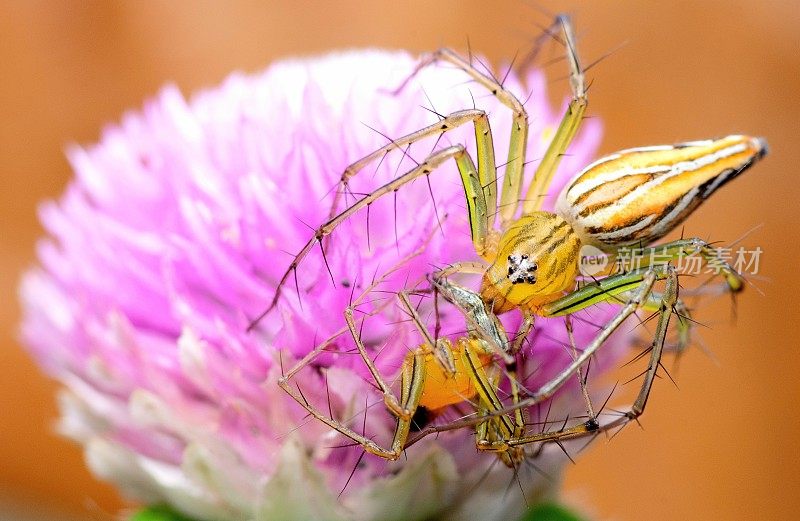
x=531, y=260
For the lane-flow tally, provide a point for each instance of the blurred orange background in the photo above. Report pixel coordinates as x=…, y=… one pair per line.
x=723, y=446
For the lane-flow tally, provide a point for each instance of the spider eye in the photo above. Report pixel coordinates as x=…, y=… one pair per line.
x=520, y=268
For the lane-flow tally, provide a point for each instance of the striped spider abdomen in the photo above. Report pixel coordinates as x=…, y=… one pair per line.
x=640, y=194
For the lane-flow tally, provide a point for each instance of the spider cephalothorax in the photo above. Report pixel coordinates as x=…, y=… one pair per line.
x=536, y=260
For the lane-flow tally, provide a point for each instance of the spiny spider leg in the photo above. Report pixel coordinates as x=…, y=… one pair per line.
x=609, y=289
x=566, y=129
x=582, y=380
x=678, y=251
x=475, y=202
x=512, y=184
x=684, y=317
x=591, y=427
x=475, y=268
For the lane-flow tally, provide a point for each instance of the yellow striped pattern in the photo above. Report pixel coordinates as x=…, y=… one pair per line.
x=639, y=195
x=537, y=259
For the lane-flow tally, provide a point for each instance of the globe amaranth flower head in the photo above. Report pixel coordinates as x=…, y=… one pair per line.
x=174, y=234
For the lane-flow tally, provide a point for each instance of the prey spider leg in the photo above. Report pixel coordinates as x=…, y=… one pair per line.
x=399, y=408
x=639, y=285
x=433, y=376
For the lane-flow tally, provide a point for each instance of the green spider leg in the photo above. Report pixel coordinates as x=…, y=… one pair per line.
x=676, y=251
x=582, y=378
x=479, y=182
x=570, y=122
x=515, y=164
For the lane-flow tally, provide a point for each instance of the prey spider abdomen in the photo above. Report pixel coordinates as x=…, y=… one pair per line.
x=441, y=388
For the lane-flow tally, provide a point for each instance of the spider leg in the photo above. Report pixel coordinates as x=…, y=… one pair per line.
x=569, y=123
x=582, y=379
x=604, y=290
x=478, y=191
x=475, y=268
x=592, y=427
x=412, y=379
x=525, y=327
x=512, y=183
x=475, y=201
x=682, y=251
x=684, y=324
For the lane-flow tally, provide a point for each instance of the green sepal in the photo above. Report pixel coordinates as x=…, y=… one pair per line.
x=158, y=513
x=550, y=512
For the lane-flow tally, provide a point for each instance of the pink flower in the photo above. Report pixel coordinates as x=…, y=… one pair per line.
x=173, y=236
